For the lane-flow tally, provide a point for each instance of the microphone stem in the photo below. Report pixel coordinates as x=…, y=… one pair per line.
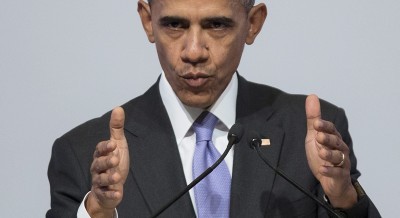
x=195, y=181
x=282, y=174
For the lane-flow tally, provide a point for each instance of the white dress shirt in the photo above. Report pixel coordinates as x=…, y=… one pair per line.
x=182, y=118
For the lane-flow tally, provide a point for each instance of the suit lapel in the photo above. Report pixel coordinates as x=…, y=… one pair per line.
x=156, y=166
x=252, y=180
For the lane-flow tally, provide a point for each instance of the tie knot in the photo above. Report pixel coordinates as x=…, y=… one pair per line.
x=204, y=126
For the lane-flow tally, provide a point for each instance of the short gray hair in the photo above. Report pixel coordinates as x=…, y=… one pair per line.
x=248, y=4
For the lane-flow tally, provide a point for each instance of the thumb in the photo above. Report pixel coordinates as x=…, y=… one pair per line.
x=313, y=110
x=117, y=121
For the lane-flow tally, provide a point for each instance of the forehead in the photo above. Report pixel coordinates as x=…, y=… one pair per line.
x=190, y=8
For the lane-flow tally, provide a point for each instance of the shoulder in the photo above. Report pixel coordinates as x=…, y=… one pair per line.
x=282, y=102
x=137, y=107
x=86, y=135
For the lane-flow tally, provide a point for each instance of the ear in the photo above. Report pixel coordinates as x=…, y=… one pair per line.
x=256, y=17
x=145, y=16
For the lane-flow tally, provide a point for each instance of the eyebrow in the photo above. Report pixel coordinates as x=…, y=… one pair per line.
x=169, y=19
x=185, y=22
x=222, y=19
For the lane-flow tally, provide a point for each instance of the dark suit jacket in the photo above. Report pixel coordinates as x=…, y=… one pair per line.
x=156, y=173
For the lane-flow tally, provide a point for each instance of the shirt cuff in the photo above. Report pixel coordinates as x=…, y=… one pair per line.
x=82, y=212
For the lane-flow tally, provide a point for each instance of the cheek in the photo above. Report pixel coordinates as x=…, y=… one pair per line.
x=168, y=54
x=227, y=56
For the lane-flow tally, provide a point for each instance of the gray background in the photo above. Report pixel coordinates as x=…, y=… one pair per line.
x=64, y=62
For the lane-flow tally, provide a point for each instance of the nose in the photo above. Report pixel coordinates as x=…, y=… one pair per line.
x=195, y=50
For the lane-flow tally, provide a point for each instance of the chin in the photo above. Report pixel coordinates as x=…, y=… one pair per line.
x=197, y=102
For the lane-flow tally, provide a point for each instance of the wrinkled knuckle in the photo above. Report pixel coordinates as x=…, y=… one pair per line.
x=107, y=145
x=320, y=137
x=325, y=154
x=338, y=142
x=95, y=153
x=112, y=162
x=99, y=193
x=327, y=139
x=99, y=181
x=324, y=139
x=117, y=178
x=111, y=144
x=98, y=145
x=104, y=193
x=95, y=180
x=110, y=195
x=97, y=166
x=338, y=134
x=93, y=168
x=346, y=148
x=111, y=179
x=93, y=164
x=108, y=162
x=332, y=127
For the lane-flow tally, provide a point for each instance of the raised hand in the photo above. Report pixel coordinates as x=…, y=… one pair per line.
x=109, y=169
x=328, y=157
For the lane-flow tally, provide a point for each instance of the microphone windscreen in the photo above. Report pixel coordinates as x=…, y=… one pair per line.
x=235, y=133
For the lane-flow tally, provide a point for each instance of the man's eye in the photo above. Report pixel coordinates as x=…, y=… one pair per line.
x=217, y=25
x=174, y=25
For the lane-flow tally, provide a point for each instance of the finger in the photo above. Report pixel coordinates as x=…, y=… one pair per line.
x=117, y=124
x=313, y=110
x=104, y=163
x=107, y=179
x=104, y=148
x=331, y=157
x=107, y=194
x=327, y=127
x=334, y=172
x=331, y=141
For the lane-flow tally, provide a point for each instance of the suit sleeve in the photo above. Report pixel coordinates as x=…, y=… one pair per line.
x=68, y=184
x=364, y=207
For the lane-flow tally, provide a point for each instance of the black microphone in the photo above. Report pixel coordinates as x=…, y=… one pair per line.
x=256, y=144
x=234, y=136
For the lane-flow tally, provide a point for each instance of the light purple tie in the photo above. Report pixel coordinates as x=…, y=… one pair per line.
x=213, y=192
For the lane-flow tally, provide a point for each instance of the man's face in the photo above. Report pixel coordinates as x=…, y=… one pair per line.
x=199, y=45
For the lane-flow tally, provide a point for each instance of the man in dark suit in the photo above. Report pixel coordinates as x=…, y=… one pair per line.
x=132, y=160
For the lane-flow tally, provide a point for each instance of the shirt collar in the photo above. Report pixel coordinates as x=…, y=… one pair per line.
x=182, y=116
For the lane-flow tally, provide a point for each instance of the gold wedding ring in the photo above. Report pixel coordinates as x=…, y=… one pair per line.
x=341, y=162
